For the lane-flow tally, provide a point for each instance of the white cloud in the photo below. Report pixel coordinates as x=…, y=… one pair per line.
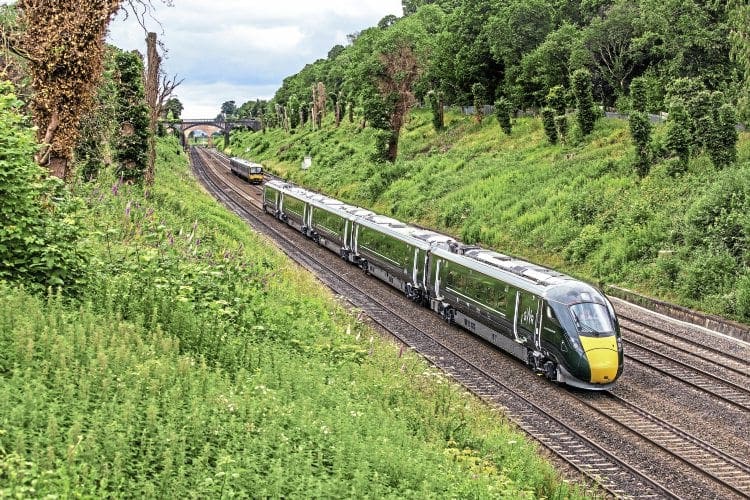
x=242, y=50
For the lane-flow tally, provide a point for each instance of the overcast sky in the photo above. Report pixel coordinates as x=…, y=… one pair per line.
x=241, y=50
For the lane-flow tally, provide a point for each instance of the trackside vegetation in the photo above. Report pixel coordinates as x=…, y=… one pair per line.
x=197, y=362
x=681, y=233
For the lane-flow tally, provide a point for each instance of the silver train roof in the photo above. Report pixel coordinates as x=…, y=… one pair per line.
x=520, y=273
x=245, y=162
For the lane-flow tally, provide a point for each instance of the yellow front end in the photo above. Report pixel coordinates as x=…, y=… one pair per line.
x=603, y=358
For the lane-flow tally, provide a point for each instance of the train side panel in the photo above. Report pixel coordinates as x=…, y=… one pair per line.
x=481, y=304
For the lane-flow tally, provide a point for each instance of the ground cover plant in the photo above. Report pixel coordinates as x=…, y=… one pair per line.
x=198, y=364
x=579, y=207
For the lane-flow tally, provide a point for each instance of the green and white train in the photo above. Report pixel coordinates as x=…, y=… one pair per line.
x=559, y=326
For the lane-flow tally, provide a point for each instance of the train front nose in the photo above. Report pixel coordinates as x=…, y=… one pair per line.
x=603, y=358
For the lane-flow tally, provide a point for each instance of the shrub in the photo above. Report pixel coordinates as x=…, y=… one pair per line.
x=548, y=121
x=436, y=104
x=582, y=89
x=561, y=125
x=39, y=227
x=678, y=136
x=743, y=297
x=478, y=91
x=640, y=130
x=638, y=96
x=503, y=109
x=720, y=218
x=584, y=245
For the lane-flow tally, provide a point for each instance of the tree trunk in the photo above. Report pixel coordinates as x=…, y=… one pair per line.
x=392, y=147
x=152, y=99
x=58, y=166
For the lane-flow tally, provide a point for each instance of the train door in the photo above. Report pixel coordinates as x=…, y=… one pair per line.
x=307, y=216
x=345, y=243
x=527, y=318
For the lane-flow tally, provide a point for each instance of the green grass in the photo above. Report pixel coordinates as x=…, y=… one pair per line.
x=578, y=207
x=200, y=363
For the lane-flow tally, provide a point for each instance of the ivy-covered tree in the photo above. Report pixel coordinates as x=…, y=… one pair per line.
x=436, y=105
x=132, y=117
x=638, y=97
x=173, y=108
x=739, y=21
x=548, y=122
x=723, y=136
x=478, y=91
x=677, y=141
x=503, y=109
x=99, y=126
x=63, y=42
x=586, y=115
x=640, y=131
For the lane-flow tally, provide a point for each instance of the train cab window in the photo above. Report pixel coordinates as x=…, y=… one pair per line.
x=592, y=318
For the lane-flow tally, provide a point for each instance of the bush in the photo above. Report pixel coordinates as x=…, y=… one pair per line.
x=548, y=121
x=503, y=109
x=678, y=136
x=436, y=104
x=640, y=130
x=561, y=125
x=638, y=95
x=39, y=227
x=582, y=90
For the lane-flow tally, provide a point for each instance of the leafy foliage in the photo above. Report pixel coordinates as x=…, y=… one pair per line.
x=132, y=117
x=40, y=233
x=548, y=120
x=436, y=104
x=640, y=130
x=503, y=109
x=586, y=115
x=64, y=44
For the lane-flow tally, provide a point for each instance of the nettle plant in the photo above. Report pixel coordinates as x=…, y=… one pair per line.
x=39, y=229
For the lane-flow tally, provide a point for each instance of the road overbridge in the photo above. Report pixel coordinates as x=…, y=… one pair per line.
x=211, y=126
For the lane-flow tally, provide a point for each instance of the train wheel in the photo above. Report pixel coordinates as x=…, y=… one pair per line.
x=448, y=314
x=550, y=370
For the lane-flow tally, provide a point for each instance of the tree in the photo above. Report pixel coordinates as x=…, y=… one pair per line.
x=133, y=117
x=228, y=109
x=436, y=104
x=722, y=146
x=503, y=109
x=478, y=91
x=584, y=100
x=400, y=69
x=548, y=122
x=739, y=21
x=678, y=141
x=174, y=107
x=63, y=42
x=617, y=45
x=640, y=131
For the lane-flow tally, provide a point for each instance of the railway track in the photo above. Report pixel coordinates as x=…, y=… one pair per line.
x=604, y=467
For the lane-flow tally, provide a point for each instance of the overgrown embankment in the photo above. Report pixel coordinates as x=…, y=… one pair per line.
x=201, y=364
x=579, y=207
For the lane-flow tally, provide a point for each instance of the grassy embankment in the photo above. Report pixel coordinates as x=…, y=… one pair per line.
x=202, y=364
x=578, y=207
